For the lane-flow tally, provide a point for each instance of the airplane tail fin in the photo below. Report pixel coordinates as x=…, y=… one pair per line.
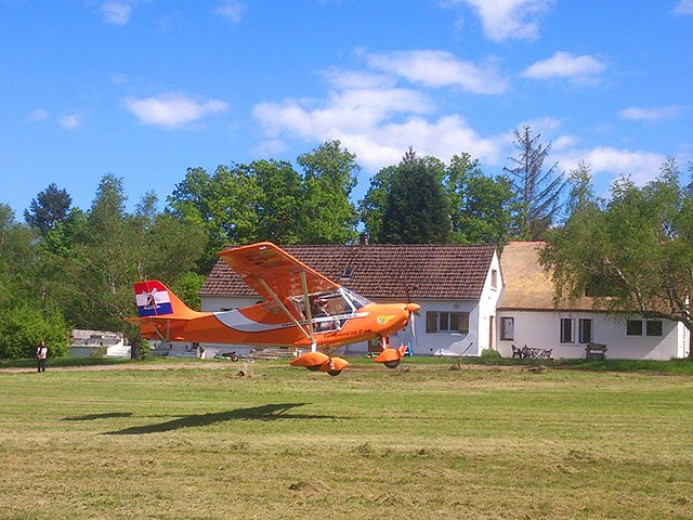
x=154, y=299
x=160, y=313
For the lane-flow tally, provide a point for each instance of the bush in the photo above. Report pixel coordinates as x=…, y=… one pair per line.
x=490, y=356
x=23, y=326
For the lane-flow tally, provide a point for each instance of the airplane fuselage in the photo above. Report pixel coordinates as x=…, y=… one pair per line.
x=264, y=325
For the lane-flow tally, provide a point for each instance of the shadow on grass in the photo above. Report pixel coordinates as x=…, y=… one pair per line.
x=93, y=417
x=268, y=412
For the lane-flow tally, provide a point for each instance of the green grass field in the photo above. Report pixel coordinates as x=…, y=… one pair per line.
x=198, y=441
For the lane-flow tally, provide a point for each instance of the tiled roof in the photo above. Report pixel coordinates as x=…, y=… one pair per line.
x=454, y=272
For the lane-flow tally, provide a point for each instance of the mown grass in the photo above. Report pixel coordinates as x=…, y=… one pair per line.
x=422, y=442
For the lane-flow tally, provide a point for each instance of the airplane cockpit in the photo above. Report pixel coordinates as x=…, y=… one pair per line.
x=330, y=310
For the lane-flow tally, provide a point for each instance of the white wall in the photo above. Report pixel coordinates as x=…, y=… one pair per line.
x=541, y=329
x=487, y=308
x=446, y=343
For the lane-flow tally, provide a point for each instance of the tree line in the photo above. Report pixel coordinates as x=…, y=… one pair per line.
x=67, y=267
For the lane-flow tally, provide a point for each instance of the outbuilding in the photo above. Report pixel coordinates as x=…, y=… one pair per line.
x=528, y=315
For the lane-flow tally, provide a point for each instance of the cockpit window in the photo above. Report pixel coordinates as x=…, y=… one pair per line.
x=329, y=304
x=335, y=303
x=356, y=300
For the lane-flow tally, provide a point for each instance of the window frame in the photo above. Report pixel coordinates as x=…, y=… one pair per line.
x=582, y=336
x=571, y=338
x=504, y=321
x=440, y=322
x=630, y=331
x=659, y=328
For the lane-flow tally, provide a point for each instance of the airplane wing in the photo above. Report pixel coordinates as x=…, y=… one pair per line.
x=265, y=262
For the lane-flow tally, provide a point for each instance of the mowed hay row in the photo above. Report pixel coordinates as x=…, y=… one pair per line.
x=285, y=443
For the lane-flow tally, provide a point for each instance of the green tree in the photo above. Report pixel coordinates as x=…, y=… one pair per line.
x=638, y=249
x=24, y=324
x=225, y=204
x=27, y=311
x=480, y=207
x=329, y=176
x=48, y=208
x=279, y=205
x=113, y=250
x=60, y=239
x=372, y=205
x=581, y=191
x=537, y=190
x=17, y=252
x=416, y=210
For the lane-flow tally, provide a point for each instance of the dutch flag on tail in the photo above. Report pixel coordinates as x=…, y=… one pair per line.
x=152, y=299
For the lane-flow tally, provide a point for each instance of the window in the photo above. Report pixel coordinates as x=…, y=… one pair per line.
x=454, y=322
x=634, y=328
x=494, y=279
x=654, y=327
x=567, y=330
x=431, y=322
x=507, y=328
x=585, y=331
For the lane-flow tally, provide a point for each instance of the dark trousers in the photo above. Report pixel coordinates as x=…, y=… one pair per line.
x=41, y=365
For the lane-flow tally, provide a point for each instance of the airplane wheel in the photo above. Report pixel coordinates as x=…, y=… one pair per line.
x=334, y=373
x=234, y=357
x=392, y=364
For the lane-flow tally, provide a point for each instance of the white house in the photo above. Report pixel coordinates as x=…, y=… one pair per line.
x=457, y=287
x=529, y=316
x=97, y=343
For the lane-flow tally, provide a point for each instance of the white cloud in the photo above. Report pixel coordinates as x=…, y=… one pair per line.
x=37, y=115
x=642, y=167
x=506, y=19
x=70, y=121
x=377, y=125
x=117, y=13
x=348, y=79
x=684, y=7
x=650, y=114
x=564, y=65
x=351, y=110
x=563, y=142
x=542, y=125
x=435, y=68
x=171, y=110
x=231, y=9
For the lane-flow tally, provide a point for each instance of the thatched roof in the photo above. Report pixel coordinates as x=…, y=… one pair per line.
x=527, y=285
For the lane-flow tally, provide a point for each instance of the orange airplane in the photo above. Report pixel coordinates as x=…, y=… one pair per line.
x=301, y=309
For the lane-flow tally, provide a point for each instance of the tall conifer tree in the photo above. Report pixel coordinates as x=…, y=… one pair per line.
x=538, y=190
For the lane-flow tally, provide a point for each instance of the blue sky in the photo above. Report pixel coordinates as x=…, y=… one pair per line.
x=144, y=89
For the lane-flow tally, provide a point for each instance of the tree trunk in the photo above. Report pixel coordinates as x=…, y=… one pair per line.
x=135, y=347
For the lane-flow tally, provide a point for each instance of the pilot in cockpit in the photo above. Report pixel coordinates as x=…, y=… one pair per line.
x=319, y=307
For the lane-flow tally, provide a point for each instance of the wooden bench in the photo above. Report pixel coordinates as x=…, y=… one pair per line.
x=595, y=351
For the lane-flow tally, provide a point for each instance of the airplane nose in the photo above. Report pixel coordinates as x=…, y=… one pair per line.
x=412, y=307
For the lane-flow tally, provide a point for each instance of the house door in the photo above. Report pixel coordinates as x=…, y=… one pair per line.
x=492, y=332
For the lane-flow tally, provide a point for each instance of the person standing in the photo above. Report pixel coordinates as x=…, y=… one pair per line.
x=41, y=355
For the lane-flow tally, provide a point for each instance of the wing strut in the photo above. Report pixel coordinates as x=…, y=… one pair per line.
x=286, y=311
x=309, y=312
x=157, y=330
